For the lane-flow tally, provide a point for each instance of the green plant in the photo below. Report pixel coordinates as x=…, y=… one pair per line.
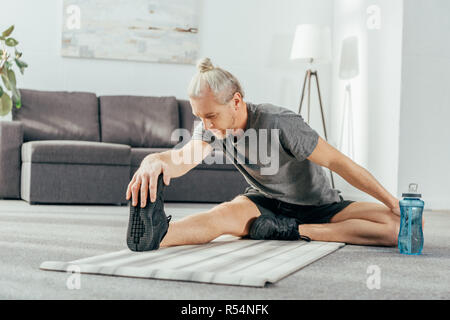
x=7, y=72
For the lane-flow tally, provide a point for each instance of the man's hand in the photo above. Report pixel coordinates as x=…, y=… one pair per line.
x=395, y=208
x=145, y=178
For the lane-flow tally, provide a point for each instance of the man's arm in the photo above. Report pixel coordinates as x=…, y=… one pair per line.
x=325, y=155
x=172, y=163
x=181, y=161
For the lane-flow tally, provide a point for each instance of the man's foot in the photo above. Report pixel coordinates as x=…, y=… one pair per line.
x=275, y=227
x=148, y=226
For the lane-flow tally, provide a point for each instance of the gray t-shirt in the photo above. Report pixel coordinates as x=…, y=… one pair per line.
x=271, y=154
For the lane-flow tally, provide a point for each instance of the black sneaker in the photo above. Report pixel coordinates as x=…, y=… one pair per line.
x=275, y=227
x=148, y=226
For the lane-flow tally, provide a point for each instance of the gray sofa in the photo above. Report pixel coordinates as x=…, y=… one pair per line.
x=75, y=147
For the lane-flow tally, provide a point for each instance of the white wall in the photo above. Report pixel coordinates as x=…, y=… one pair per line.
x=425, y=102
x=375, y=92
x=251, y=38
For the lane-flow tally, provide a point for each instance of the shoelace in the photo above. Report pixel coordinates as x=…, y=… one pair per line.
x=306, y=238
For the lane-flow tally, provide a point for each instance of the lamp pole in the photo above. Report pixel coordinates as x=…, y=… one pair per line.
x=309, y=73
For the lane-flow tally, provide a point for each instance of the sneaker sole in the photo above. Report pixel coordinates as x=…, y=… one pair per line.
x=140, y=225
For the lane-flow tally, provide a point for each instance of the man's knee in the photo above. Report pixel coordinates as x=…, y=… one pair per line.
x=392, y=230
x=235, y=217
x=391, y=222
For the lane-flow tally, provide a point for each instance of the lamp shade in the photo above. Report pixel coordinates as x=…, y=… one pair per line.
x=349, y=64
x=311, y=42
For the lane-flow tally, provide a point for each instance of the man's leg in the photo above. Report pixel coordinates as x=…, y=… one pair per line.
x=363, y=223
x=233, y=217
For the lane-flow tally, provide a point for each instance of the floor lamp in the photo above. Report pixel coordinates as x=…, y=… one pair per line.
x=348, y=69
x=312, y=43
x=347, y=113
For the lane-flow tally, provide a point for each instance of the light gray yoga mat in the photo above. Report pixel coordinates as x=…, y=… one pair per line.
x=225, y=260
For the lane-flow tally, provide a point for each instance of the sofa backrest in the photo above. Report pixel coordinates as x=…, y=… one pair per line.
x=51, y=115
x=139, y=121
x=186, y=117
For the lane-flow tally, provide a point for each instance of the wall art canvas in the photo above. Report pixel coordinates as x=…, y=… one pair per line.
x=141, y=30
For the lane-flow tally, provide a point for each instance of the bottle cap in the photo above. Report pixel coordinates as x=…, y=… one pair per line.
x=412, y=191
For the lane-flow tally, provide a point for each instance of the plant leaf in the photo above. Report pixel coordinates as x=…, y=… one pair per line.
x=21, y=69
x=16, y=97
x=1, y=91
x=11, y=42
x=5, y=105
x=6, y=80
x=18, y=54
x=21, y=65
x=12, y=78
x=7, y=32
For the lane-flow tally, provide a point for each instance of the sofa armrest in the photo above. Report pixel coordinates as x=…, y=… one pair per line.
x=11, y=139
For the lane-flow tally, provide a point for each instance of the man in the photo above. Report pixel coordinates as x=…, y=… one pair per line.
x=295, y=202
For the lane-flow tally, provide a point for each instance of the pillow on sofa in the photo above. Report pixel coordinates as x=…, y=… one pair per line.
x=144, y=122
x=58, y=115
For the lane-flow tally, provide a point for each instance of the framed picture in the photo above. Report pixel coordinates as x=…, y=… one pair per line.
x=141, y=30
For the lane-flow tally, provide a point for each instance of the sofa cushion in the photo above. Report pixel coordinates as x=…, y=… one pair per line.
x=58, y=115
x=138, y=154
x=75, y=152
x=146, y=122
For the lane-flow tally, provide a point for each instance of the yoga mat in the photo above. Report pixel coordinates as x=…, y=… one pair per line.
x=225, y=260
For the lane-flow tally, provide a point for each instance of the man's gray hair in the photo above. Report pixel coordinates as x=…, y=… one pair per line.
x=222, y=83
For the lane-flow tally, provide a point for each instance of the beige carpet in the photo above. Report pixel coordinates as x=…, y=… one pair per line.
x=226, y=260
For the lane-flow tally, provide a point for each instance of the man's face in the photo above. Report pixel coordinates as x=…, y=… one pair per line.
x=215, y=117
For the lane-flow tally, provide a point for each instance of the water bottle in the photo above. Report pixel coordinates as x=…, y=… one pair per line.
x=410, y=236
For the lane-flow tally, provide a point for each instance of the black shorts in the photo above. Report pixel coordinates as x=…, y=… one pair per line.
x=302, y=213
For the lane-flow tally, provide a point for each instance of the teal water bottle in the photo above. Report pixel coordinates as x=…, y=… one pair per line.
x=410, y=236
